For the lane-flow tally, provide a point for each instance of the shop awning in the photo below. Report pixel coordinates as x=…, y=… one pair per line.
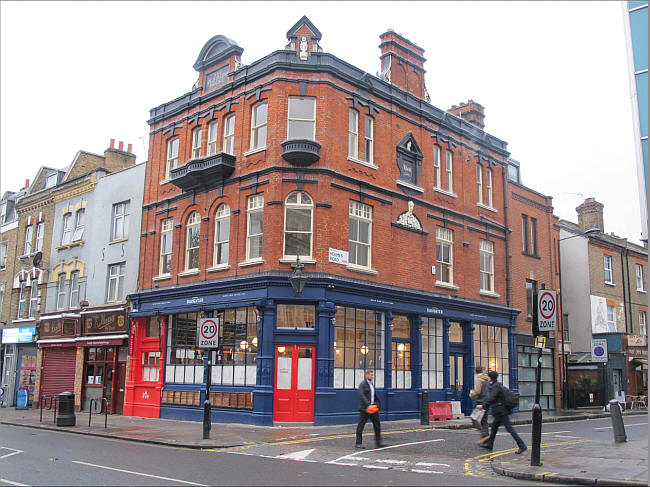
x=101, y=340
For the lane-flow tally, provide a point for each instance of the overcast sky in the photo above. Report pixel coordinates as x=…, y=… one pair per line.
x=552, y=77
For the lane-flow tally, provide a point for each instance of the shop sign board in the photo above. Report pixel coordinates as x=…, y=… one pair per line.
x=208, y=333
x=599, y=350
x=105, y=322
x=546, y=310
x=636, y=341
x=18, y=335
x=637, y=352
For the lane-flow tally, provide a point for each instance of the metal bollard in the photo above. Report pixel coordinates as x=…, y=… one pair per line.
x=617, y=422
x=536, y=436
x=424, y=413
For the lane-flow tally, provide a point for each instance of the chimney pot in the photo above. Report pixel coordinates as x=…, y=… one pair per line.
x=112, y=143
x=121, y=145
x=26, y=183
x=129, y=147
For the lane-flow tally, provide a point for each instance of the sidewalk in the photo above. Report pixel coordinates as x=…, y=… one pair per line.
x=586, y=463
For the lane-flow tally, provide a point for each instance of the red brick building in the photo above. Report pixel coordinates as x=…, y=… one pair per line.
x=395, y=208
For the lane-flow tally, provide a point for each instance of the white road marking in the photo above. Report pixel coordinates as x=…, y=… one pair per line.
x=626, y=425
x=566, y=436
x=385, y=448
x=396, y=462
x=555, y=432
x=10, y=482
x=15, y=452
x=345, y=464
x=425, y=464
x=424, y=471
x=139, y=473
x=378, y=467
x=299, y=455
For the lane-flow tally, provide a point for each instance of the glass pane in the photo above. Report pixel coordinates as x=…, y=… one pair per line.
x=295, y=316
x=256, y=223
x=299, y=129
x=304, y=368
x=297, y=244
x=455, y=332
x=302, y=108
x=298, y=219
x=284, y=368
x=364, y=232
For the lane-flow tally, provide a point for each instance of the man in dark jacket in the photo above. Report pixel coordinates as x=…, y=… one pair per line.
x=500, y=413
x=368, y=408
x=479, y=394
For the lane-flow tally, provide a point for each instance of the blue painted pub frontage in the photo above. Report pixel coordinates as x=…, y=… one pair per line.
x=284, y=356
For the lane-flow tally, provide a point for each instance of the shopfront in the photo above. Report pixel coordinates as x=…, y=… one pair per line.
x=19, y=368
x=637, y=356
x=284, y=357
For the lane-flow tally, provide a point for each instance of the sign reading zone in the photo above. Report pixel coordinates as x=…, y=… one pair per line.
x=208, y=333
x=546, y=310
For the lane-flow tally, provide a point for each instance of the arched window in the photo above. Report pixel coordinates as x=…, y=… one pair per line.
x=221, y=235
x=192, y=241
x=298, y=224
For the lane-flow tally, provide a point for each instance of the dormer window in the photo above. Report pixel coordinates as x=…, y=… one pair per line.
x=51, y=180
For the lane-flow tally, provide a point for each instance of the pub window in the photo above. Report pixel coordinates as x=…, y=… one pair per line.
x=69, y=327
x=491, y=350
x=401, y=350
x=358, y=346
x=432, y=357
x=295, y=316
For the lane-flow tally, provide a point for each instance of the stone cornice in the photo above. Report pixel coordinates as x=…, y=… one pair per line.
x=79, y=189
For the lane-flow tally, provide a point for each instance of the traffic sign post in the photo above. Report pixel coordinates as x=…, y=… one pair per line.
x=208, y=338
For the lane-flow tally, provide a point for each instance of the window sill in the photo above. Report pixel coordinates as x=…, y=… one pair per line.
x=23, y=320
x=161, y=277
x=641, y=291
x=248, y=263
x=190, y=272
x=165, y=181
x=610, y=284
x=448, y=193
x=118, y=240
x=489, y=208
x=489, y=294
x=363, y=163
x=534, y=256
x=255, y=151
x=68, y=245
x=410, y=186
x=361, y=270
x=217, y=268
x=447, y=285
x=290, y=260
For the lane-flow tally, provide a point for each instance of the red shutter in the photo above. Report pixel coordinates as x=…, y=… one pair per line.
x=58, y=371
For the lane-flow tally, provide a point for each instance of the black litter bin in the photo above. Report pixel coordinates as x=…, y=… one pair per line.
x=65, y=413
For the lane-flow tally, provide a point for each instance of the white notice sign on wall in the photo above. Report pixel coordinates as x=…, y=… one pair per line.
x=339, y=256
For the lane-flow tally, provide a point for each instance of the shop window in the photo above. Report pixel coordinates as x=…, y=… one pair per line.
x=150, y=368
x=298, y=225
x=432, y=356
x=295, y=316
x=401, y=352
x=491, y=350
x=358, y=346
x=455, y=332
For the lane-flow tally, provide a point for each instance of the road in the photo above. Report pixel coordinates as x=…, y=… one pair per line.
x=412, y=457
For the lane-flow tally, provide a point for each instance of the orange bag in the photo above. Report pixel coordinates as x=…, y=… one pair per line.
x=372, y=409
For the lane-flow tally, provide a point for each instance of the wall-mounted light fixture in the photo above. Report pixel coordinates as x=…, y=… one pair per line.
x=298, y=278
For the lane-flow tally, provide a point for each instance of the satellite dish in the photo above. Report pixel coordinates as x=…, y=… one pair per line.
x=38, y=258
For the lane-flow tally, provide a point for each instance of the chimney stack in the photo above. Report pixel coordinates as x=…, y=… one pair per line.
x=129, y=147
x=590, y=214
x=26, y=184
x=402, y=63
x=112, y=143
x=471, y=112
x=121, y=146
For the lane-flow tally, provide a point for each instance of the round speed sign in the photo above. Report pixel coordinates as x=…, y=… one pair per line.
x=208, y=333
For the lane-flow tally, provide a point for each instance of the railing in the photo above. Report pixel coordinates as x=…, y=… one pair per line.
x=104, y=406
x=54, y=402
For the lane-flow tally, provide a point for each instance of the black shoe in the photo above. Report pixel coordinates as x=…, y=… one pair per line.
x=359, y=446
x=521, y=450
x=487, y=447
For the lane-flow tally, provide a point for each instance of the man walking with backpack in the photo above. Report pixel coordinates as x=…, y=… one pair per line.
x=501, y=400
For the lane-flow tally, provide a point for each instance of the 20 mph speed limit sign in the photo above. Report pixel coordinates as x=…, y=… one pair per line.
x=546, y=310
x=208, y=333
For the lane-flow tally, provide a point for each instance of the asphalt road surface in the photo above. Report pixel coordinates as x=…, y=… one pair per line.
x=430, y=457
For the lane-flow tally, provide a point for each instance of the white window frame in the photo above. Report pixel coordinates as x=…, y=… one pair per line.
x=40, y=230
x=66, y=236
x=213, y=135
x=609, y=271
x=257, y=125
x=120, y=220
x=22, y=300
x=444, y=239
x=222, y=215
x=449, y=167
x=290, y=119
x=61, y=292
x=74, y=289
x=29, y=231
x=643, y=330
x=172, y=156
x=487, y=253
x=4, y=247
x=479, y=183
x=611, y=317
x=3, y=213
x=79, y=225
x=436, y=167
x=166, y=237
x=229, y=134
x=51, y=180
x=353, y=134
x=489, y=188
x=150, y=366
x=640, y=283
x=302, y=205
x=115, y=282
x=197, y=135
x=255, y=206
x=360, y=213
x=33, y=298
x=369, y=139
x=193, y=225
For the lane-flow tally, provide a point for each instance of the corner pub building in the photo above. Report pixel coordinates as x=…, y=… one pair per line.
x=395, y=209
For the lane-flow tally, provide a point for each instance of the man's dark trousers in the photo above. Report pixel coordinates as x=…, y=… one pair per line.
x=505, y=421
x=363, y=418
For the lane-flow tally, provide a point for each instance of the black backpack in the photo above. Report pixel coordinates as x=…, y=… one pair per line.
x=510, y=399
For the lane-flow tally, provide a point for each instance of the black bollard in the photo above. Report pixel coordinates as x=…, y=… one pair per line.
x=617, y=422
x=537, y=436
x=206, y=420
x=424, y=414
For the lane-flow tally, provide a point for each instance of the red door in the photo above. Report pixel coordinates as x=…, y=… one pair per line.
x=293, y=398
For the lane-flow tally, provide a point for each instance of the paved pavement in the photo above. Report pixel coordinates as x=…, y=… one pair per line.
x=588, y=463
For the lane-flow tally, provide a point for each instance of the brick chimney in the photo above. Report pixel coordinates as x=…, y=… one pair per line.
x=402, y=63
x=117, y=159
x=471, y=112
x=590, y=214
